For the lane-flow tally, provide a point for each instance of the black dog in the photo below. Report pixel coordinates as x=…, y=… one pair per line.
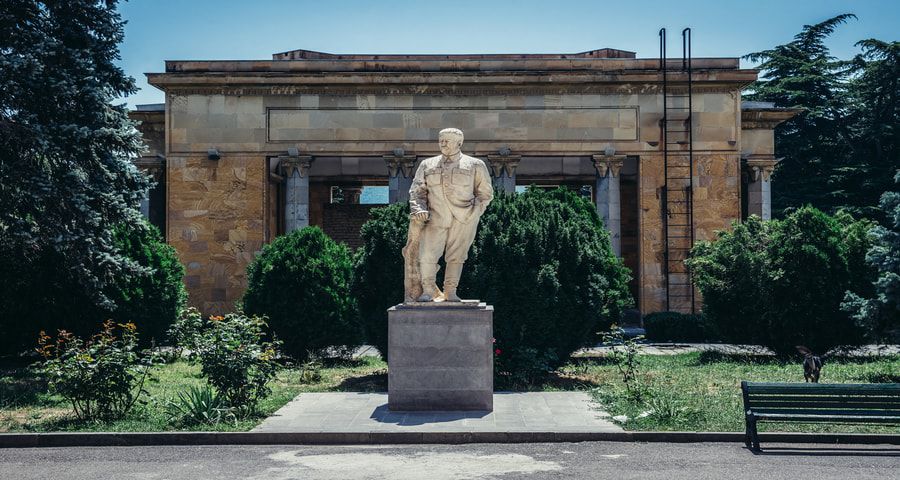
x=812, y=364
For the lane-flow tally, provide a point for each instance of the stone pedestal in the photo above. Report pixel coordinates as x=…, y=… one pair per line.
x=440, y=356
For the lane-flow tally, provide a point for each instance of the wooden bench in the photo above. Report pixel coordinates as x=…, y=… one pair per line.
x=839, y=403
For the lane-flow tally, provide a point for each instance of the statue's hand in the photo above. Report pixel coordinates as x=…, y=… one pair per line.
x=420, y=216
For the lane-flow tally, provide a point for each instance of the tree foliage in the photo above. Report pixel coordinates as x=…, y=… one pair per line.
x=378, y=270
x=301, y=283
x=780, y=283
x=542, y=259
x=841, y=150
x=38, y=296
x=66, y=182
x=879, y=312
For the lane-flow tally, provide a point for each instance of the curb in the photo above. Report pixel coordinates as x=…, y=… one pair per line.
x=133, y=439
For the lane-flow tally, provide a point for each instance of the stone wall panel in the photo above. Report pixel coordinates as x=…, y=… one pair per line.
x=216, y=222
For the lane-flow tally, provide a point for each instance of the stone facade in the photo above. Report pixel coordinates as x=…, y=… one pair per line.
x=365, y=121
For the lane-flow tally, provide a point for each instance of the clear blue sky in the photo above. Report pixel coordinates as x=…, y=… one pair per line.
x=160, y=30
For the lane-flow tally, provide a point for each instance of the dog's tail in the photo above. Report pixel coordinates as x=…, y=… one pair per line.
x=804, y=351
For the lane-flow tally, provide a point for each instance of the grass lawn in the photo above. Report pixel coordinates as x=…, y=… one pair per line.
x=26, y=407
x=701, y=391
x=692, y=391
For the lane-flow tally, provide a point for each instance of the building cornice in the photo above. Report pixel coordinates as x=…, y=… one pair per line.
x=768, y=118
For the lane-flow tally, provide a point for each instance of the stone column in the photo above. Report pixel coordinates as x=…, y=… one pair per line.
x=503, y=171
x=295, y=170
x=401, y=168
x=154, y=167
x=607, y=197
x=759, y=189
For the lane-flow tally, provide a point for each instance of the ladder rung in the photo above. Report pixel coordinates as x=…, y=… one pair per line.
x=677, y=131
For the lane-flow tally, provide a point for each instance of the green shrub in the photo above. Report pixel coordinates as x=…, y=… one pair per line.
x=301, y=282
x=101, y=378
x=185, y=332
x=236, y=360
x=676, y=327
x=624, y=355
x=542, y=259
x=378, y=270
x=152, y=301
x=39, y=296
x=780, y=283
x=198, y=406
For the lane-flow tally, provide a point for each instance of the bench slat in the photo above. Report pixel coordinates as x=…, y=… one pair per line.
x=821, y=419
x=823, y=403
x=826, y=413
x=879, y=389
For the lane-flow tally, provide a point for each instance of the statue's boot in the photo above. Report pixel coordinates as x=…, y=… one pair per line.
x=430, y=290
x=451, y=281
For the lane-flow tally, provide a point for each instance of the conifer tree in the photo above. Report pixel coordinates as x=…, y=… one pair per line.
x=66, y=182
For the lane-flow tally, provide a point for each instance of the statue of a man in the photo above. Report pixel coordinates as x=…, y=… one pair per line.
x=449, y=193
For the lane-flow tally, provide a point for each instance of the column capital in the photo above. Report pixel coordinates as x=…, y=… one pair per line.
x=760, y=166
x=501, y=163
x=288, y=164
x=401, y=165
x=611, y=164
x=154, y=167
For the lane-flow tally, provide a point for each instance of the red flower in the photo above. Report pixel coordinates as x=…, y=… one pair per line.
x=497, y=352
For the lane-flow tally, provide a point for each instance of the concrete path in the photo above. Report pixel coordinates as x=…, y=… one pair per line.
x=368, y=412
x=678, y=348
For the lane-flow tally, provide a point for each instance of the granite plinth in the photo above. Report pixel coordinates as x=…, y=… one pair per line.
x=440, y=356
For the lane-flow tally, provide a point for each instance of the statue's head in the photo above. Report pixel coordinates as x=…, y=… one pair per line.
x=450, y=139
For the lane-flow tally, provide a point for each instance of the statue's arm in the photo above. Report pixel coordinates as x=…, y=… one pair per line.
x=418, y=192
x=484, y=190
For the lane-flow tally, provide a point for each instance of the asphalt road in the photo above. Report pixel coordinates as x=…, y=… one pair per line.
x=455, y=462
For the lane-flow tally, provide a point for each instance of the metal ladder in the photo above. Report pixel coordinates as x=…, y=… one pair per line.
x=678, y=163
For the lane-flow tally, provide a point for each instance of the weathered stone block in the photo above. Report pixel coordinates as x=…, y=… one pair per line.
x=440, y=357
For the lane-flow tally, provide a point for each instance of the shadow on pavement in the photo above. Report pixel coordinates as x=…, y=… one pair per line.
x=830, y=451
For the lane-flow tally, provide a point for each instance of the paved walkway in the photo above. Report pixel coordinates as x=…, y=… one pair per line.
x=732, y=349
x=678, y=348
x=368, y=412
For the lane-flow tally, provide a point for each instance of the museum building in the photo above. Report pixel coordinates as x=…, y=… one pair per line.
x=244, y=151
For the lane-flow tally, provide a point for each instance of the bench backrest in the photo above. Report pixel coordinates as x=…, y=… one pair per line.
x=814, y=399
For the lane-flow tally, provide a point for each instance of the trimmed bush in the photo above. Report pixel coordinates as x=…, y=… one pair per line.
x=152, y=301
x=542, y=259
x=676, y=327
x=780, y=283
x=301, y=283
x=378, y=270
x=38, y=296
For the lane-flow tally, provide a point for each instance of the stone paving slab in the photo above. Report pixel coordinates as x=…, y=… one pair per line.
x=368, y=412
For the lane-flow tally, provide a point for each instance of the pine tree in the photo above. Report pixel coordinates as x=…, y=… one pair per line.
x=66, y=182
x=874, y=114
x=880, y=316
x=803, y=74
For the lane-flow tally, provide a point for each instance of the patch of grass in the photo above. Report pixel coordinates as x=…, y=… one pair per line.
x=701, y=391
x=692, y=392
x=26, y=407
